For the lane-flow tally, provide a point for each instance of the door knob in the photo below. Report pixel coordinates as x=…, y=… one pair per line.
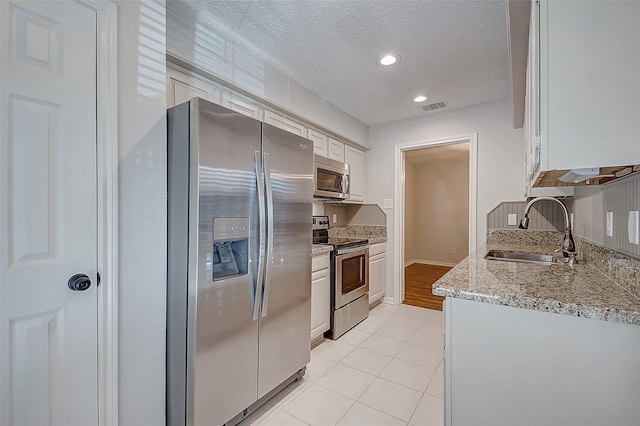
x=79, y=282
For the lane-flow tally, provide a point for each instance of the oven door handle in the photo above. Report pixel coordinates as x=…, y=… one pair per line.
x=351, y=251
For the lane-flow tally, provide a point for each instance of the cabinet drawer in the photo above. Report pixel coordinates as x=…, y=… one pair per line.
x=377, y=249
x=319, y=262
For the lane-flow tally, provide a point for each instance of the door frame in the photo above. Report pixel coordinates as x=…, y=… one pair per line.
x=107, y=203
x=399, y=198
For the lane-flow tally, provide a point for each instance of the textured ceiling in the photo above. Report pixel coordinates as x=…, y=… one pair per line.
x=452, y=51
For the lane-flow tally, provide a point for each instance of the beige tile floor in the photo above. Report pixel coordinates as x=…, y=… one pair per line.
x=388, y=370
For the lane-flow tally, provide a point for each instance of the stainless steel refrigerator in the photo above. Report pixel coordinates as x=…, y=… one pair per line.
x=239, y=262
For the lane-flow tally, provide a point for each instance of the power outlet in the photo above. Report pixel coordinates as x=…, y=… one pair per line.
x=335, y=218
x=609, y=224
x=512, y=219
x=454, y=250
x=633, y=226
x=387, y=203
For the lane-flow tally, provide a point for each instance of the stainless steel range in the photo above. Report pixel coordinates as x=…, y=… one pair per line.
x=349, y=278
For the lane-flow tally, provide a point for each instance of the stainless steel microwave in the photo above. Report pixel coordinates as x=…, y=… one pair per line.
x=331, y=178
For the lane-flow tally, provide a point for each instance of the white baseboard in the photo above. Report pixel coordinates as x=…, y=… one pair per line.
x=389, y=300
x=429, y=262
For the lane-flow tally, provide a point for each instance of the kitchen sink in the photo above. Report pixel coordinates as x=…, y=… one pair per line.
x=510, y=256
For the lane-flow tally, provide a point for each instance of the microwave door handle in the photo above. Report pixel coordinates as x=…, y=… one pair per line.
x=269, y=251
x=345, y=184
x=262, y=210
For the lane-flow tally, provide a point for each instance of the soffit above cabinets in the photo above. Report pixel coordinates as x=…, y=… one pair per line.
x=452, y=51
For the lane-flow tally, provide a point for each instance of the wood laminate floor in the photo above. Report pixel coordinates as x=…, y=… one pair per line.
x=418, y=279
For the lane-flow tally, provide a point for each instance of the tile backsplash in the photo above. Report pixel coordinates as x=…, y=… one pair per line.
x=620, y=198
x=544, y=215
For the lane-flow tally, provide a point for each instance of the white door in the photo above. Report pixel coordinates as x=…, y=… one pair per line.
x=48, y=214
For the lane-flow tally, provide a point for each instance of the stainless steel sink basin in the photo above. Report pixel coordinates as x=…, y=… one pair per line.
x=509, y=256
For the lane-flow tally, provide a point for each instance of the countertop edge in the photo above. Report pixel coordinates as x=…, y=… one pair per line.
x=551, y=306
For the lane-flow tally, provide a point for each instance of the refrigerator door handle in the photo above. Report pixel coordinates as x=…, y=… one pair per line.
x=263, y=225
x=269, y=251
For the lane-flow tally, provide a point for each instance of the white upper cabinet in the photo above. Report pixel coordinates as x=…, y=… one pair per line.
x=285, y=123
x=355, y=159
x=336, y=150
x=583, y=88
x=242, y=105
x=320, y=142
x=182, y=87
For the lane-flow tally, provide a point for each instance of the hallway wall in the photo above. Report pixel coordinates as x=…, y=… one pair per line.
x=437, y=212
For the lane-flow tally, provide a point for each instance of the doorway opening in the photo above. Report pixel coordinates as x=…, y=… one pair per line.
x=435, y=225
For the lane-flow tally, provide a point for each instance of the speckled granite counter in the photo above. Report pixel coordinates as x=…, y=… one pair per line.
x=583, y=292
x=375, y=234
x=318, y=249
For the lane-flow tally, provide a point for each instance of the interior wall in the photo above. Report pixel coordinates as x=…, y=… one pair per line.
x=439, y=227
x=410, y=181
x=142, y=213
x=500, y=160
x=221, y=53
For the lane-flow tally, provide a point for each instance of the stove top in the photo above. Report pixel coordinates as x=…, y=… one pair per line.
x=321, y=235
x=340, y=242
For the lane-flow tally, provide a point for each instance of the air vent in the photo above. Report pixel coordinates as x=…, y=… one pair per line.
x=434, y=106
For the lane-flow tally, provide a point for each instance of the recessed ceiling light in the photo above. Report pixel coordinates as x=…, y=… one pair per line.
x=420, y=98
x=389, y=59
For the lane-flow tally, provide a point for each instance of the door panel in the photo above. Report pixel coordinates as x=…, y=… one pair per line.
x=225, y=353
x=284, y=331
x=48, y=216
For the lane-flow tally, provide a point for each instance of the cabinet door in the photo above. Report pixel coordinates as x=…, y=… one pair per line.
x=320, y=142
x=376, y=277
x=532, y=100
x=355, y=159
x=285, y=123
x=182, y=87
x=336, y=150
x=320, y=302
x=242, y=105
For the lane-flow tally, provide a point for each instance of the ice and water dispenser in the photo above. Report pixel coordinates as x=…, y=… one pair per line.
x=230, y=247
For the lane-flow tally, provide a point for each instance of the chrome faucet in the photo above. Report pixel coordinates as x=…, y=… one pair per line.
x=568, y=245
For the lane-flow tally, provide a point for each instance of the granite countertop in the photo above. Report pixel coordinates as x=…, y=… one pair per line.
x=583, y=291
x=377, y=240
x=375, y=234
x=319, y=249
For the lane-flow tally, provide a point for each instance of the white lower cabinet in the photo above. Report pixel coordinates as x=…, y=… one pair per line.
x=377, y=261
x=524, y=367
x=320, y=295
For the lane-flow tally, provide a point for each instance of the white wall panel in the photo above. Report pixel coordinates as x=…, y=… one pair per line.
x=142, y=212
